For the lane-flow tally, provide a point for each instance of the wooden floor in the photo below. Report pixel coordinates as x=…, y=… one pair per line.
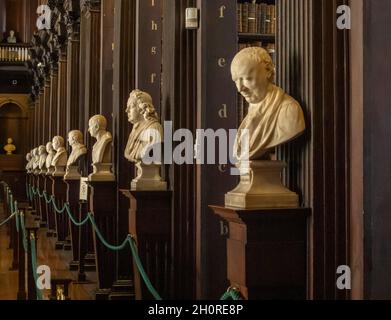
x=57, y=261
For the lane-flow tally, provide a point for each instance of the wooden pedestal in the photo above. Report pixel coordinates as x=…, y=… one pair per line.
x=41, y=181
x=73, y=192
x=103, y=198
x=267, y=252
x=150, y=222
x=59, y=190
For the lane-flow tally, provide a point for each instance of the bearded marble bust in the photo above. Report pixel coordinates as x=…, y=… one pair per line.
x=274, y=118
x=147, y=130
x=42, y=159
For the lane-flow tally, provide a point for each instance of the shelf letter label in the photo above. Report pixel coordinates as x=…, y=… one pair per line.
x=223, y=113
x=222, y=62
x=153, y=77
x=222, y=11
x=154, y=26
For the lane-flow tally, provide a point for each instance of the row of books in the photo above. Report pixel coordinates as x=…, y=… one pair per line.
x=256, y=18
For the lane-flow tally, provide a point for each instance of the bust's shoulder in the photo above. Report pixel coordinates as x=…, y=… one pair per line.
x=291, y=117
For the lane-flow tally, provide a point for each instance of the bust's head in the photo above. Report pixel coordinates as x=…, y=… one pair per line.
x=41, y=150
x=75, y=137
x=12, y=33
x=49, y=147
x=140, y=107
x=96, y=124
x=58, y=142
x=253, y=71
x=10, y=141
x=36, y=152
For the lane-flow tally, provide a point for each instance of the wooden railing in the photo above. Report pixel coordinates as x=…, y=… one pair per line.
x=14, y=52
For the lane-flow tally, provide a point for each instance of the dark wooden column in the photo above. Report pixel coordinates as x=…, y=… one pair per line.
x=72, y=19
x=124, y=82
x=92, y=24
x=46, y=112
x=179, y=105
x=106, y=66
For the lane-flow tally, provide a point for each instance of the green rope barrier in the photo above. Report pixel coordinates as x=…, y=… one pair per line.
x=8, y=219
x=45, y=196
x=34, y=265
x=78, y=224
x=233, y=294
x=102, y=239
x=141, y=269
x=59, y=211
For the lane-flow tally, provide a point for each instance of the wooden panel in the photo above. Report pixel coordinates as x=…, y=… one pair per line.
x=124, y=83
x=377, y=133
x=179, y=105
x=309, y=47
x=216, y=51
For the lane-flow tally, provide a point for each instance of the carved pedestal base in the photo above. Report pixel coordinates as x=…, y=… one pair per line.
x=260, y=187
x=150, y=222
x=148, y=178
x=267, y=252
x=103, y=197
x=102, y=173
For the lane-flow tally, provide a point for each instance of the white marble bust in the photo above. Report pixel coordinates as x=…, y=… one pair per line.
x=75, y=140
x=146, y=134
x=35, y=163
x=28, y=159
x=42, y=159
x=274, y=117
x=102, y=150
x=11, y=38
x=61, y=158
x=49, y=159
x=147, y=130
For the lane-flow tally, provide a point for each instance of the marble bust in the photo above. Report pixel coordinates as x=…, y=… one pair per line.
x=147, y=132
x=35, y=164
x=102, y=150
x=42, y=159
x=28, y=159
x=60, y=159
x=274, y=118
x=11, y=38
x=75, y=140
x=9, y=147
x=49, y=159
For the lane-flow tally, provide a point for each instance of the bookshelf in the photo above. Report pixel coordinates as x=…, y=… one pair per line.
x=256, y=23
